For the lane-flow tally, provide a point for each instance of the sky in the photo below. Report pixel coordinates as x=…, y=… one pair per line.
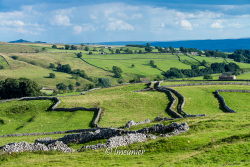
x=88, y=21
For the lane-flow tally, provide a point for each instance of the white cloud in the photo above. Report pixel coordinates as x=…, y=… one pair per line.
x=186, y=24
x=83, y=28
x=217, y=24
x=61, y=20
x=118, y=25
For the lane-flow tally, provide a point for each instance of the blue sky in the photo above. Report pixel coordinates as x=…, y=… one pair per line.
x=70, y=21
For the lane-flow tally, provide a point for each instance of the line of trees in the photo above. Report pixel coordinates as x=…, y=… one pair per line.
x=195, y=71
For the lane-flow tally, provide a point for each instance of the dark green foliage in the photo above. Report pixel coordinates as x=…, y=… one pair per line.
x=117, y=51
x=241, y=56
x=103, y=82
x=63, y=68
x=80, y=73
x=70, y=87
x=86, y=48
x=1, y=67
x=66, y=47
x=194, y=72
x=208, y=76
x=212, y=53
x=132, y=65
x=51, y=65
x=52, y=75
x=90, y=53
x=78, y=84
x=79, y=55
x=54, y=46
x=148, y=48
x=73, y=47
x=117, y=71
x=152, y=64
x=15, y=88
x=14, y=57
x=61, y=86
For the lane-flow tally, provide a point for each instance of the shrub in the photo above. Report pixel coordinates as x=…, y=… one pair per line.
x=207, y=76
x=52, y=75
x=103, y=82
x=61, y=86
x=14, y=57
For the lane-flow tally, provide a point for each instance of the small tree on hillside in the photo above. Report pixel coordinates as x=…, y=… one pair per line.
x=79, y=55
x=66, y=47
x=117, y=71
x=61, y=86
x=54, y=47
x=52, y=75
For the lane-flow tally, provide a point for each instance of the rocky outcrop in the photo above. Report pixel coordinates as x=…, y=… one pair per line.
x=31, y=147
x=133, y=123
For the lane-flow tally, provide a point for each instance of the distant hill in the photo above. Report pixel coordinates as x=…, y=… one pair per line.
x=25, y=41
x=227, y=45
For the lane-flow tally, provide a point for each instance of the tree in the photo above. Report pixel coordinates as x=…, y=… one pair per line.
x=79, y=55
x=70, y=87
x=78, y=84
x=54, y=47
x=86, y=48
x=132, y=65
x=90, y=53
x=1, y=67
x=51, y=65
x=103, y=82
x=148, y=48
x=15, y=88
x=117, y=51
x=208, y=76
x=61, y=86
x=117, y=71
x=73, y=47
x=66, y=47
x=152, y=64
x=52, y=75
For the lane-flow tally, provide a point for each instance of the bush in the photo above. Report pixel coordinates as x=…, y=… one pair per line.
x=103, y=82
x=15, y=88
x=207, y=77
x=79, y=55
x=52, y=75
x=78, y=84
x=14, y=57
x=54, y=47
x=1, y=67
x=117, y=71
x=61, y=86
x=51, y=65
x=70, y=87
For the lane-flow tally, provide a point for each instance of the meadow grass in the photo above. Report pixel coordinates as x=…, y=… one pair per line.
x=121, y=104
x=32, y=116
x=218, y=139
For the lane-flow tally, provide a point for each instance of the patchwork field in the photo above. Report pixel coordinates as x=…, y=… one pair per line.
x=214, y=140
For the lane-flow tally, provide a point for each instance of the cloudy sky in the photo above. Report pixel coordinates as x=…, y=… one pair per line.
x=72, y=21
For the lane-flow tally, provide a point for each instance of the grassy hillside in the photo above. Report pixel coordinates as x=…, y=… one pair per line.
x=217, y=139
x=32, y=116
x=37, y=73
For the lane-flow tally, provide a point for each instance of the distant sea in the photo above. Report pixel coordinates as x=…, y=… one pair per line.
x=227, y=45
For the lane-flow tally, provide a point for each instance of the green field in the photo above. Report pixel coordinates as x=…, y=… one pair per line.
x=214, y=140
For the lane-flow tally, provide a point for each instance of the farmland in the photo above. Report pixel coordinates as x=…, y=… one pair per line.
x=216, y=139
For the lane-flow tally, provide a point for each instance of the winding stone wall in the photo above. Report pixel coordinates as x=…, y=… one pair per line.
x=222, y=101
